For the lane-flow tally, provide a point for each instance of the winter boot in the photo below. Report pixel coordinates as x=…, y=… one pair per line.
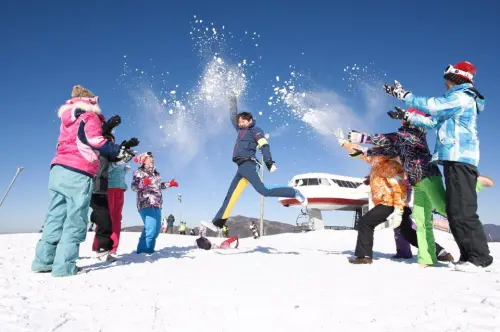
x=361, y=260
x=445, y=256
x=215, y=226
x=105, y=256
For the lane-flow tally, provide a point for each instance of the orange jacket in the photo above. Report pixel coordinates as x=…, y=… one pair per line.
x=386, y=179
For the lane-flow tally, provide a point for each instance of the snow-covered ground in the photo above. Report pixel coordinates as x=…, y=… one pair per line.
x=288, y=282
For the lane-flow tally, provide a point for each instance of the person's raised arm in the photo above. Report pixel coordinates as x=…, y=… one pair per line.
x=233, y=109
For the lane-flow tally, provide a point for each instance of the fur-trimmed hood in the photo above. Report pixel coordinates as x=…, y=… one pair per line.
x=85, y=104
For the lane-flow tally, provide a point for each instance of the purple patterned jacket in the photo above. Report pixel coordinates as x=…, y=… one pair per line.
x=410, y=145
x=148, y=196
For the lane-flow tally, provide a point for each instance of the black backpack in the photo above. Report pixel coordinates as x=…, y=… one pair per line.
x=203, y=243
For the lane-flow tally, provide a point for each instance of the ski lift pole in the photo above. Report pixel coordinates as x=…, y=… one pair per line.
x=179, y=198
x=19, y=169
x=261, y=231
x=262, y=197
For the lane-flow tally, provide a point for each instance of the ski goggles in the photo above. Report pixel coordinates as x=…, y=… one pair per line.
x=452, y=70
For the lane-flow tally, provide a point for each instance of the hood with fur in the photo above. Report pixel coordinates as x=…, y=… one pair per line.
x=77, y=106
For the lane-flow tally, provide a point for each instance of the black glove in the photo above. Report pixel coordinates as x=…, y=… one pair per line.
x=130, y=143
x=125, y=155
x=400, y=114
x=269, y=164
x=367, y=181
x=356, y=154
x=113, y=121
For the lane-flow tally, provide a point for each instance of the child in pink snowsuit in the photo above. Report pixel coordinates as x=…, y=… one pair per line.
x=71, y=182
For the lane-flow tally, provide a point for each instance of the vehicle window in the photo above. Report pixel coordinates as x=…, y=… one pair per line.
x=324, y=182
x=313, y=182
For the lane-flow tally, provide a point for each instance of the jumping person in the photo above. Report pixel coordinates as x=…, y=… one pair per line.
x=249, y=138
x=457, y=148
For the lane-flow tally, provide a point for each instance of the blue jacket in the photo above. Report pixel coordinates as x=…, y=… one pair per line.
x=116, y=176
x=455, y=118
x=248, y=140
x=170, y=220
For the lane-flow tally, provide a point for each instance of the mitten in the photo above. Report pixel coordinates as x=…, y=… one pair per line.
x=400, y=114
x=339, y=134
x=356, y=137
x=356, y=153
x=130, y=143
x=108, y=126
x=395, y=218
x=396, y=91
x=271, y=166
x=125, y=155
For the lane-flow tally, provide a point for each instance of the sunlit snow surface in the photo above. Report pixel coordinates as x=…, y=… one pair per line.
x=288, y=282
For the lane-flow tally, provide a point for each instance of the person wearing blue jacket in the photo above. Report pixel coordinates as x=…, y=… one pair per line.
x=454, y=116
x=116, y=199
x=249, y=138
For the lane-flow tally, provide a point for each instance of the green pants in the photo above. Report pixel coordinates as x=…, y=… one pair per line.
x=479, y=186
x=428, y=193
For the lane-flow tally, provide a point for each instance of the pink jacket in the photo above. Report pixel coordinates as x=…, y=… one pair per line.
x=80, y=139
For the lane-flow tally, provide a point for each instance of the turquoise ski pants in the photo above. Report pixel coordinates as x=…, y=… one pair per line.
x=65, y=224
x=151, y=217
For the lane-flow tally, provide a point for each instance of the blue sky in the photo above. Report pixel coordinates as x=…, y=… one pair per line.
x=47, y=48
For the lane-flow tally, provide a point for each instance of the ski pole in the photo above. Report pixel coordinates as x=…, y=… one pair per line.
x=19, y=169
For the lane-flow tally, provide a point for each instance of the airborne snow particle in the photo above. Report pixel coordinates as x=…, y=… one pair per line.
x=164, y=101
x=161, y=127
x=219, y=60
x=277, y=78
x=172, y=92
x=170, y=112
x=260, y=113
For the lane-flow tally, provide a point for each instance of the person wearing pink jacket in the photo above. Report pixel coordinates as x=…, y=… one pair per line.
x=71, y=179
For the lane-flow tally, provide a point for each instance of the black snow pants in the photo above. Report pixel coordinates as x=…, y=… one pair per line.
x=461, y=209
x=366, y=228
x=101, y=217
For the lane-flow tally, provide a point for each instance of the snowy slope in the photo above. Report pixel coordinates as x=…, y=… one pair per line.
x=289, y=282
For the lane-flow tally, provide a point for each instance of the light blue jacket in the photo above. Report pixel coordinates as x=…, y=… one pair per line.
x=116, y=175
x=454, y=116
